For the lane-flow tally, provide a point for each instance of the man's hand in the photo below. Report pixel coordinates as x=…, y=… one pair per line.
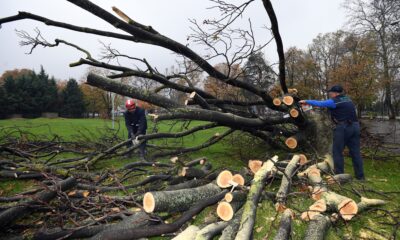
x=135, y=141
x=303, y=102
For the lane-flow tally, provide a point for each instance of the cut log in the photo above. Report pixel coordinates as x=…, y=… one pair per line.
x=226, y=210
x=250, y=207
x=237, y=178
x=291, y=142
x=255, y=165
x=294, y=113
x=137, y=219
x=157, y=230
x=326, y=166
x=9, y=216
x=277, y=102
x=347, y=207
x=292, y=91
x=320, y=224
x=178, y=200
x=191, y=172
x=189, y=233
x=197, y=161
x=303, y=159
x=235, y=196
x=224, y=179
x=367, y=203
x=230, y=231
x=317, y=228
x=211, y=230
x=285, y=226
x=339, y=179
x=284, y=189
x=288, y=100
x=317, y=208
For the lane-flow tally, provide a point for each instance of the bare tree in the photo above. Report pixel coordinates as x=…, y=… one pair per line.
x=234, y=45
x=380, y=18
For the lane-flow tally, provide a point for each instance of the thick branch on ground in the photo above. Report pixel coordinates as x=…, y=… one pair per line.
x=249, y=209
x=179, y=200
x=158, y=230
x=285, y=226
x=10, y=215
x=281, y=195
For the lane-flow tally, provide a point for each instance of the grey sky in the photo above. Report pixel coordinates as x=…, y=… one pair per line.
x=300, y=21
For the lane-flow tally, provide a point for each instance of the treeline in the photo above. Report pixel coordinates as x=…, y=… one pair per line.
x=364, y=58
x=30, y=94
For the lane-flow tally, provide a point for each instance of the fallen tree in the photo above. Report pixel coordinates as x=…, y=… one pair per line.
x=165, y=197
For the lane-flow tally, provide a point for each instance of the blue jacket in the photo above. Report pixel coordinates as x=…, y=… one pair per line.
x=341, y=108
x=135, y=121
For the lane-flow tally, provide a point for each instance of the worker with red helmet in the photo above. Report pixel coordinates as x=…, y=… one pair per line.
x=136, y=124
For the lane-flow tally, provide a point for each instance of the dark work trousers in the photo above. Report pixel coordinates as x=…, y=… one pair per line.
x=347, y=134
x=142, y=147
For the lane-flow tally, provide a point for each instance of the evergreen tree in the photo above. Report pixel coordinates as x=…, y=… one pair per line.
x=73, y=103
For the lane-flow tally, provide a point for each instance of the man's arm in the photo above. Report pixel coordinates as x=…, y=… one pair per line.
x=325, y=103
x=128, y=125
x=142, y=122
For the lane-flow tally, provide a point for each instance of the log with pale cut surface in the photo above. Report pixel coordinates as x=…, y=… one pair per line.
x=285, y=186
x=255, y=165
x=226, y=210
x=178, y=200
x=250, y=207
x=224, y=179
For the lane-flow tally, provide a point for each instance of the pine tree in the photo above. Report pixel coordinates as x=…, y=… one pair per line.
x=72, y=98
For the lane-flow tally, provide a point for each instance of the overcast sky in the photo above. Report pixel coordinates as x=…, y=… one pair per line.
x=300, y=21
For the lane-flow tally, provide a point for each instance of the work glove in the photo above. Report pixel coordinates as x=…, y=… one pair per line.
x=135, y=142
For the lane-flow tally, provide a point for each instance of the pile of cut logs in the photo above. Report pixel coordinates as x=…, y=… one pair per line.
x=183, y=190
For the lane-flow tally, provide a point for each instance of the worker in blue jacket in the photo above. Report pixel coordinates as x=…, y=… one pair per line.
x=347, y=129
x=136, y=124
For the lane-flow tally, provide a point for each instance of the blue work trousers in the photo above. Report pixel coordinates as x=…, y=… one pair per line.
x=347, y=134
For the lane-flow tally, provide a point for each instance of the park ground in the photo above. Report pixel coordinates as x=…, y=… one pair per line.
x=383, y=174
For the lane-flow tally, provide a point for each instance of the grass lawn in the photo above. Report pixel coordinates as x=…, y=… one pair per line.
x=383, y=176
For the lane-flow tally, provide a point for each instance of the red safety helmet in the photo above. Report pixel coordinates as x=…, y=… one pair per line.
x=130, y=104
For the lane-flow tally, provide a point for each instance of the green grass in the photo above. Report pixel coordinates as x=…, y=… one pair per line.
x=232, y=153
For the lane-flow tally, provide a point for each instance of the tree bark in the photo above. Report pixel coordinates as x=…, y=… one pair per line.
x=9, y=216
x=285, y=226
x=178, y=200
x=250, y=207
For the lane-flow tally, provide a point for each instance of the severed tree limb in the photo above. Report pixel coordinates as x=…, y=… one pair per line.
x=189, y=233
x=285, y=226
x=138, y=219
x=157, y=230
x=317, y=228
x=211, y=230
x=230, y=231
x=250, y=207
x=9, y=216
x=281, y=195
x=177, y=200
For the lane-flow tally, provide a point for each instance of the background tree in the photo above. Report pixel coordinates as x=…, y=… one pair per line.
x=72, y=100
x=357, y=71
x=379, y=19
